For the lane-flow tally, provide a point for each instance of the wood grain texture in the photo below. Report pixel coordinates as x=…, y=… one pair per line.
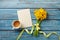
x=11, y=35
x=12, y=13
x=45, y=25
x=29, y=3
x=8, y=13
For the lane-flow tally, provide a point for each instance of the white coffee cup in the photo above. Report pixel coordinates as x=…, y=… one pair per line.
x=16, y=24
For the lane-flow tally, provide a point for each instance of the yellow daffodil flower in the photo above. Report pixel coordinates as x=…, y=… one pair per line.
x=40, y=14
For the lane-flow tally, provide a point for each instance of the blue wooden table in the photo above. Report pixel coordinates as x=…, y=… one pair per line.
x=8, y=13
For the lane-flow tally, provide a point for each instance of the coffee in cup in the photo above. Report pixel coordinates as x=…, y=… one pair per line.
x=16, y=24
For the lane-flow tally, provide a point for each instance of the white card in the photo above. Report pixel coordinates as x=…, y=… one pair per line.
x=25, y=17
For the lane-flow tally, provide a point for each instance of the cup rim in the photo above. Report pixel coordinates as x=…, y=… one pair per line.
x=14, y=26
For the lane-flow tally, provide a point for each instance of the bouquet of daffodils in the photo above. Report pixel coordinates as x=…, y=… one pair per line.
x=40, y=15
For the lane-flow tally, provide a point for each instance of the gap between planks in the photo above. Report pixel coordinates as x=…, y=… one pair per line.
x=28, y=8
x=29, y=30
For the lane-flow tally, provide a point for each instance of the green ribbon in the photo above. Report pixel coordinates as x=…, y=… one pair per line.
x=30, y=32
x=49, y=34
x=20, y=34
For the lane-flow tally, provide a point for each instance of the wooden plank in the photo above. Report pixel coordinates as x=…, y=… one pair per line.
x=11, y=35
x=52, y=13
x=29, y=3
x=8, y=14
x=45, y=25
x=12, y=13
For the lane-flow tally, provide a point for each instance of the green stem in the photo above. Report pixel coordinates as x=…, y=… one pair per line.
x=37, y=25
x=35, y=33
x=20, y=34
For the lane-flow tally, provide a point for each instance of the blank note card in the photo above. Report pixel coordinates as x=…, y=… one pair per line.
x=25, y=17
